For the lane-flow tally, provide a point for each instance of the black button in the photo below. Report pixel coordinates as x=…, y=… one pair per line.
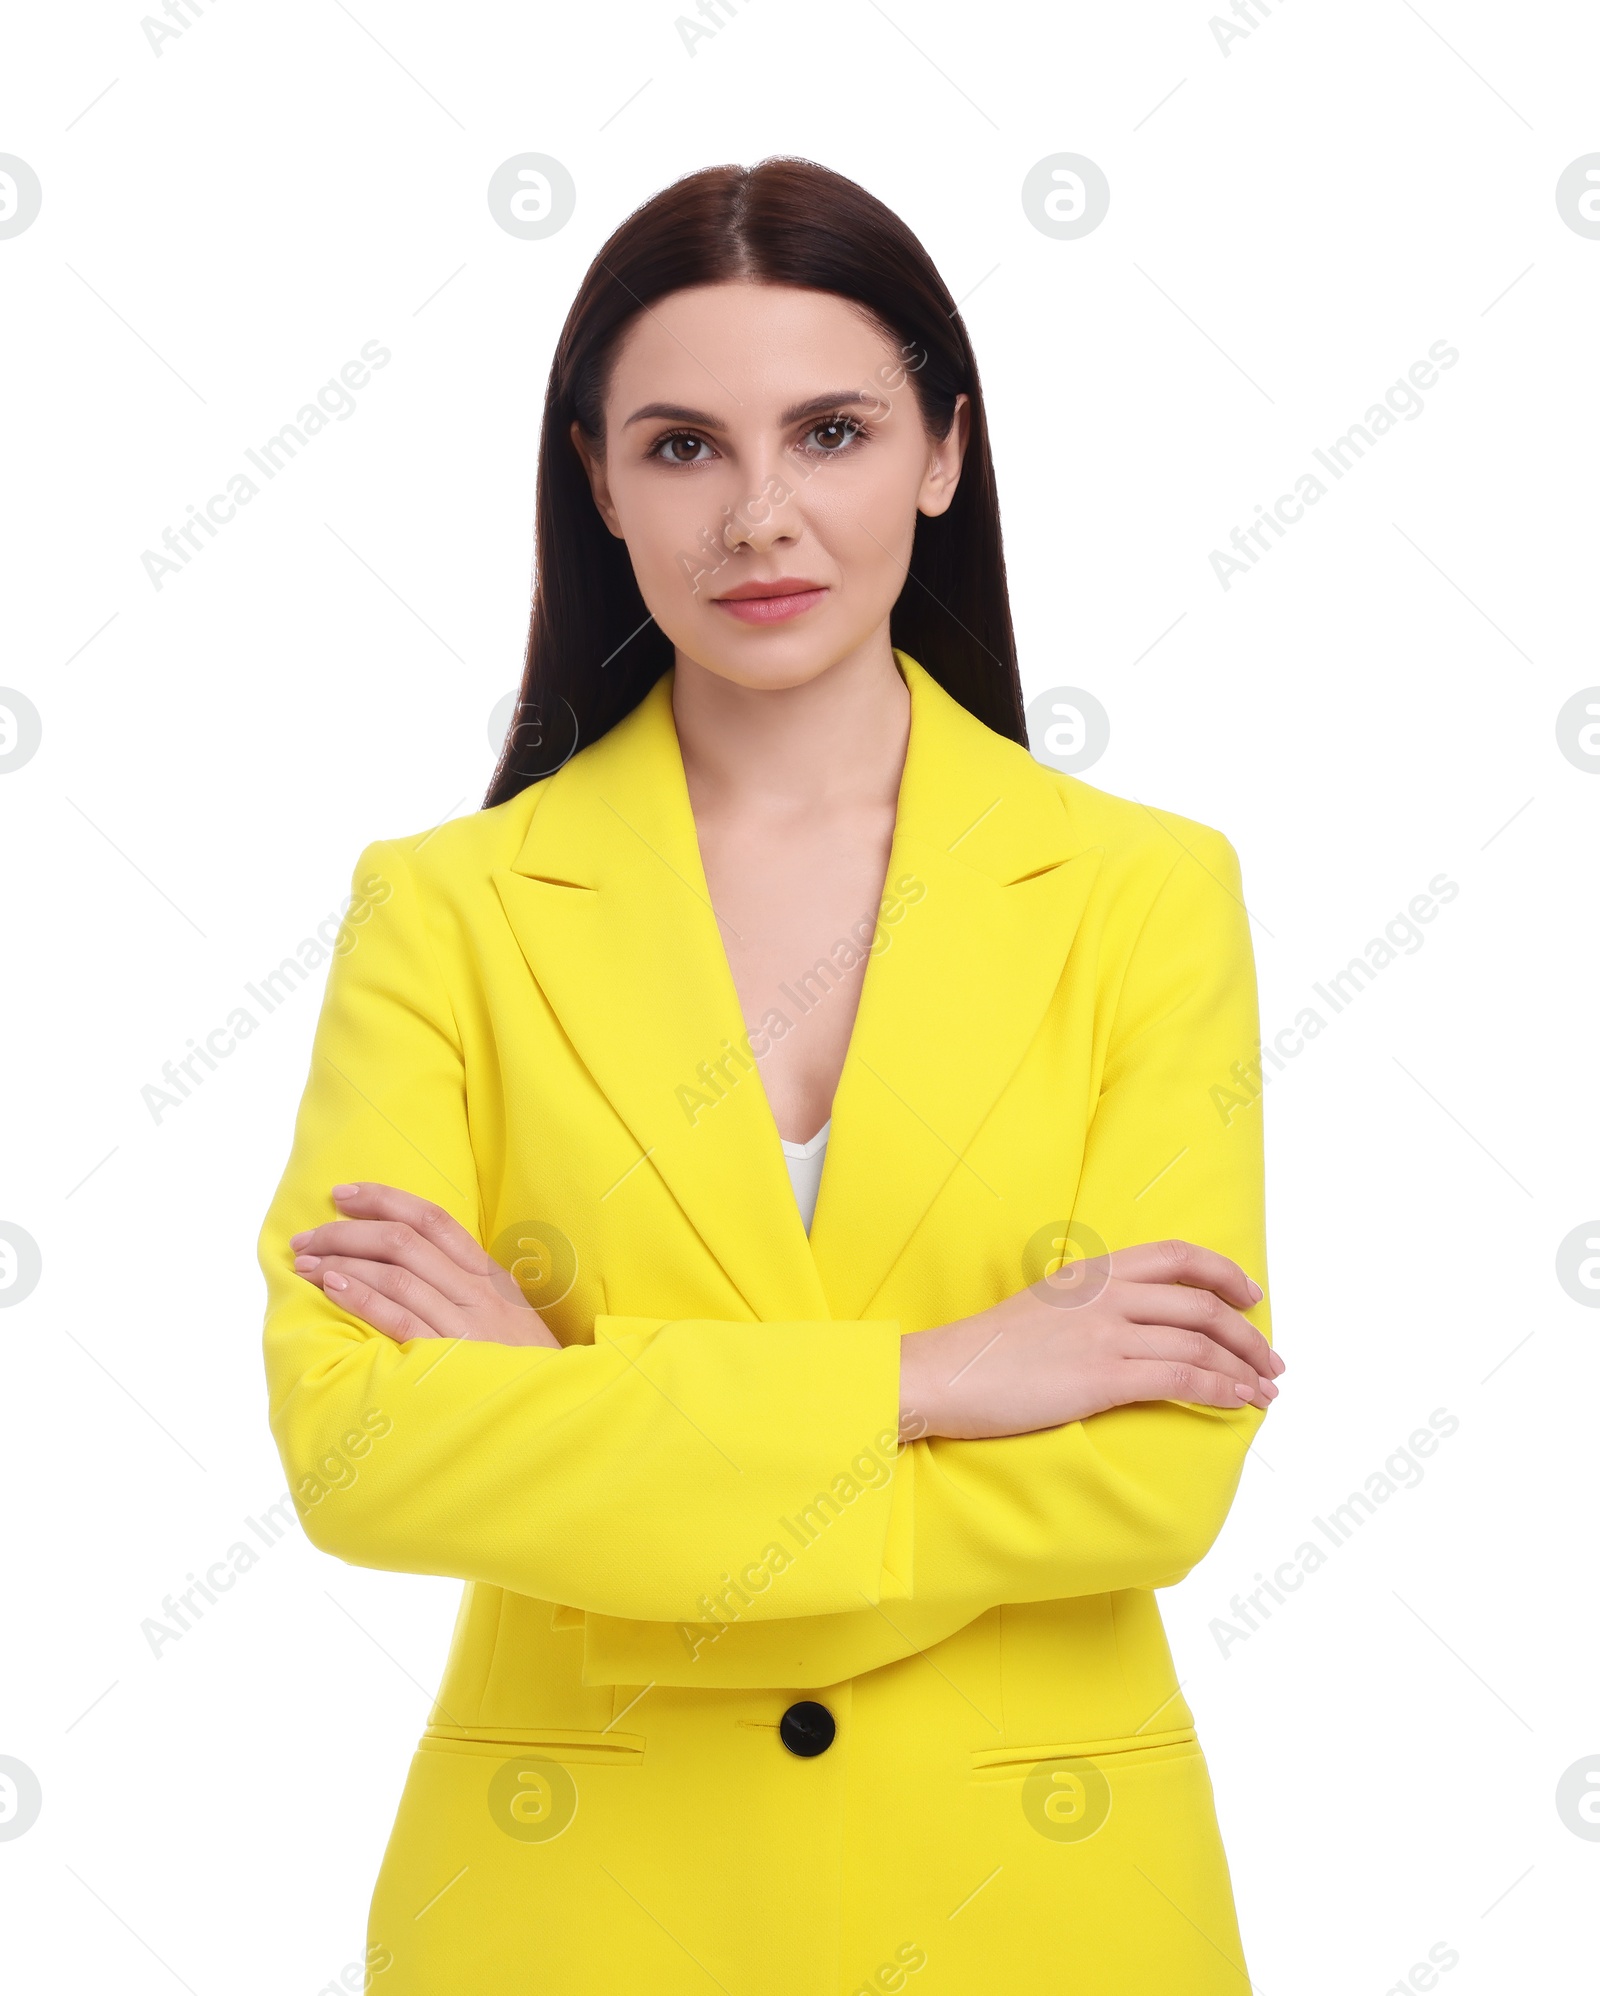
x=807, y=1729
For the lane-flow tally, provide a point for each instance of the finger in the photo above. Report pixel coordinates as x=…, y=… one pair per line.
x=369, y=1200
x=395, y=1241
x=1199, y=1310
x=362, y=1300
x=1183, y=1261
x=1166, y=1379
x=1171, y=1344
x=406, y=1291
x=510, y=1324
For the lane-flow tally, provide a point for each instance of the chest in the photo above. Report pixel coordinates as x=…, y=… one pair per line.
x=797, y=911
x=950, y=1148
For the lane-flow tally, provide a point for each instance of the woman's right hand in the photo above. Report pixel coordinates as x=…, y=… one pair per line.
x=1158, y=1322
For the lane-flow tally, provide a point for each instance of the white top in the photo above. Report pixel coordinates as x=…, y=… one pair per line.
x=805, y=1170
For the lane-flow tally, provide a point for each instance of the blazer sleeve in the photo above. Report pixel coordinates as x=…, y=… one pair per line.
x=1133, y=1497
x=625, y=1477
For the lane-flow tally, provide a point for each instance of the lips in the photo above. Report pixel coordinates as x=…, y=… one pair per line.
x=771, y=602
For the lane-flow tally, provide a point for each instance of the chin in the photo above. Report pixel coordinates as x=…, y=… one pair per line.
x=772, y=660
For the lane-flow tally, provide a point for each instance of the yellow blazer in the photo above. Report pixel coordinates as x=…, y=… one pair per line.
x=695, y=1516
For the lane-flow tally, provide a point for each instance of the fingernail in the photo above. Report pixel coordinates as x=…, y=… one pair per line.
x=345, y=1191
x=304, y=1263
x=334, y=1280
x=1269, y=1389
x=1256, y=1290
x=300, y=1239
x=1277, y=1365
x=1244, y=1392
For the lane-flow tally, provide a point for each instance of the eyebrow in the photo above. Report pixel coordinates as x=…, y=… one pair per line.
x=816, y=405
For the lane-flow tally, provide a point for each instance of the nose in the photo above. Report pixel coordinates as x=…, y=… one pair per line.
x=762, y=520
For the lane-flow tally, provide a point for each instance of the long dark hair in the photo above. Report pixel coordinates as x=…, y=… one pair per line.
x=594, y=651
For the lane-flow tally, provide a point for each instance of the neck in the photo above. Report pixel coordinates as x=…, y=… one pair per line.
x=837, y=739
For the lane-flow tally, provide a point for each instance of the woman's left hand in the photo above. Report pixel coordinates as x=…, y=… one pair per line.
x=404, y=1266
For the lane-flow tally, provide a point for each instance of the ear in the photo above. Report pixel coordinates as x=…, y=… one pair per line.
x=945, y=458
x=594, y=465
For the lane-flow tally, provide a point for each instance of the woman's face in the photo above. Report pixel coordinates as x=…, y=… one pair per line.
x=765, y=460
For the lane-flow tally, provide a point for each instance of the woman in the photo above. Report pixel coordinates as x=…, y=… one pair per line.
x=809, y=1642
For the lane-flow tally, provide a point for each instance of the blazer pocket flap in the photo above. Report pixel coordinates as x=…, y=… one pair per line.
x=560, y=1743
x=1004, y=1763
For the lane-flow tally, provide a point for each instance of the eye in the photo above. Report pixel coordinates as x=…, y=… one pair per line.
x=680, y=448
x=839, y=434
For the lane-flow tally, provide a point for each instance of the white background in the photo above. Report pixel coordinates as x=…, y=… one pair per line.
x=1292, y=224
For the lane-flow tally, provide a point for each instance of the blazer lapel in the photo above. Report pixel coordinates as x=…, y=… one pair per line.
x=950, y=1007
x=607, y=897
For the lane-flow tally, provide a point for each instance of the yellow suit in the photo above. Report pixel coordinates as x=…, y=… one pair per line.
x=694, y=1517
